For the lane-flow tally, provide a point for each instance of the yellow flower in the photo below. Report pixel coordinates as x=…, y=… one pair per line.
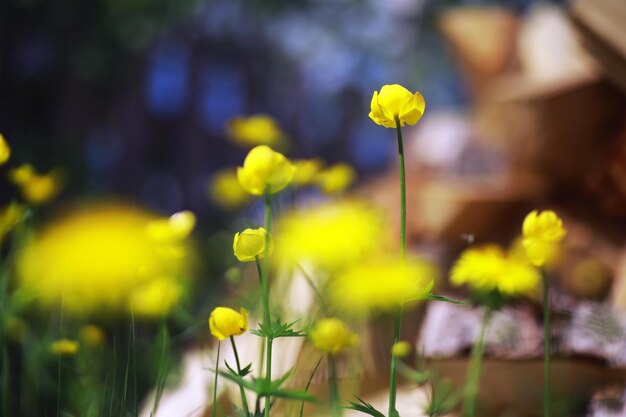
x=306, y=171
x=381, y=284
x=255, y=130
x=64, y=347
x=250, y=244
x=5, y=150
x=225, y=322
x=264, y=169
x=336, y=178
x=36, y=188
x=10, y=216
x=542, y=233
x=225, y=191
x=330, y=235
x=331, y=336
x=92, y=335
x=173, y=229
x=401, y=349
x=94, y=258
x=155, y=298
x=396, y=103
x=489, y=268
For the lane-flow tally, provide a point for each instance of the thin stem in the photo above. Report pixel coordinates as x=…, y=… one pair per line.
x=547, y=335
x=334, y=389
x=473, y=371
x=308, y=384
x=217, y=367
x=267, y=318
x=59, y=363
x=134, y=345
x=244, y=401
x=394, y=364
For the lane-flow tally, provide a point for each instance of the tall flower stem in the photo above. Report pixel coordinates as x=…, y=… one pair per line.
x=398, y=318
x=265, y=290
x=547, y=334
x=473, y=372
x=334, y=389
x=217, y=366
x=244, y=401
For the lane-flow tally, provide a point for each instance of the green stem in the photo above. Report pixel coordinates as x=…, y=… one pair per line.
x=266, y=296
x=473, y=371
x=217, y=367
x=244, y=401
x=547, y=335
x=334, y=389
x=308, y=384
x=398, y=319
x=317, y=292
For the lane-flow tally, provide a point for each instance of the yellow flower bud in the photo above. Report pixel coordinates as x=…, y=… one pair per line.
x=21, y=174
x=542, y=233
x=306, y=171
x=250, y=244
x=5, y=150
x=255, y=130
x=64, y=347
x=332, y=336
x=36, y=188
x=225, y=191
x=92, y=335
x=401, y=349
x=336, y=178
x=264, y=169
x=225, y=322
x=396, y=103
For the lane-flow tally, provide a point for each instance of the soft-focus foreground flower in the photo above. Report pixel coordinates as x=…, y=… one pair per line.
x=330, y=235
x=255, y=130
x=64, y=347
x=36, y=188
x=401, y=349
x=381, y=284
x=306, y=171
x=225, y=322
x=226, y=192
x=5, y=150
x=336, y=178
x=96, y=258
x=489, y=268
x=332, y=336
x=156, y=297
x=250, y=244
x=396, y=102
x=542, y=233
x=265, y=170
x=173, y=229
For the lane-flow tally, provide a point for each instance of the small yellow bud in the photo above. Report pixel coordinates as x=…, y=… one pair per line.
x=395, y=102
x=265, y=170
x=336, y=178
x=225, y=322
x=21, y=174
x=401, y=349
x=250, y=244
x=5, y=150
x=332, y=336
x=255, y=130
x=542, y=233
x=92, y=335
x=306, y=171
x=36, y=188
x=64, y=347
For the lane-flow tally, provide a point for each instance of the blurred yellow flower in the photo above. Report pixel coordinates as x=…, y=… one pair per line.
x=264, y=169
x=5, y=150
x=155, y=298
x=396, y=102
x=255, y=130
x=10, y=216
x=173, y=229
x=225, y=191
x=382, y=284
x=401, y=349
x=36, y=188
x=94, y=258
x=92, y=335
x=542, y=233
x=332, y=336
x=225, y=322
x=64, y=347
x=488, y=268
x=15, y=328
x=250, y=244
x=330, y=235
x=306, y=171
x=336, y=178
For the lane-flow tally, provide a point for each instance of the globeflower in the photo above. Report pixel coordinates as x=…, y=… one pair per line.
x=542, y=232
x=5, y=150
x=396, y=104
x=172, y=229
x=64, y=347
x=258, y=129
x=336, y=178
x=10, y=216
x=265, y=170
x=155, y=298
x=225, y=322
x=306, y=171
x=402, y=349
x=249, y=245
x=332, y=336
x=36, y=188
x=226, y=192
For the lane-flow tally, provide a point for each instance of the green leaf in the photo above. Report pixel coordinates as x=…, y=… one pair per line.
x=278, y=329
x=434, y=297
x=365, y=408
x=263, y=388
x=419, y=377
